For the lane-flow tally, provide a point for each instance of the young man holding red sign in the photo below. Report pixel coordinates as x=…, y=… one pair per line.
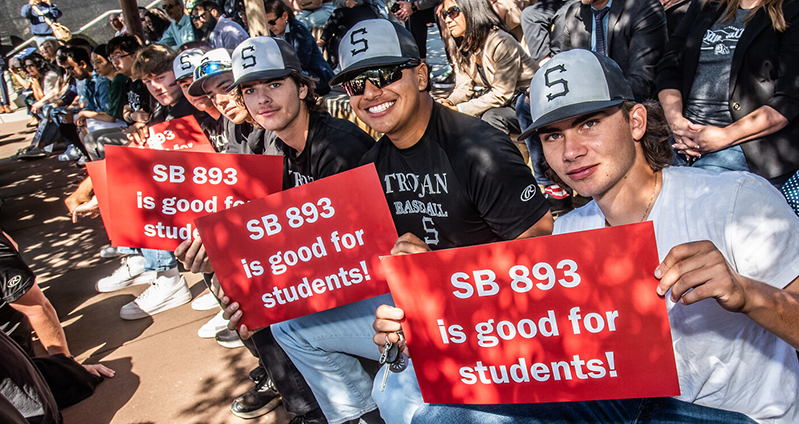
x=450, y=180
x=729, y=267
x=281, y=99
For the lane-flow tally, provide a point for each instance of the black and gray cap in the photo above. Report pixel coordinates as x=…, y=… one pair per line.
x=574, y=83
x=371, y=44
x=263, y=58
x=214, y=62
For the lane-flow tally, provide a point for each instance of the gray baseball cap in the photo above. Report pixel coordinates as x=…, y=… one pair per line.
x=213, y=63
x=371, y=44
x=263, y=58
x=185, y=62
x=574, y=83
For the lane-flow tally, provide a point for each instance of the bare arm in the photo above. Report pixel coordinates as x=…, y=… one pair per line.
x=43, y=319
x=761, y=122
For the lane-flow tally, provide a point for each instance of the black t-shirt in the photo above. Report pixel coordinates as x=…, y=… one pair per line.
x=23, y=387
x=333, y=145
x=464, y=183
x=138, y=95
x=16, y=279
x=214, y=129
x=180, y=109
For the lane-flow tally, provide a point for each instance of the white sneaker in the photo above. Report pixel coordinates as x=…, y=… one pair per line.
x=109, y=252
x=215, y=325
x=159, y=297
x=205, y=302
x=124, y=276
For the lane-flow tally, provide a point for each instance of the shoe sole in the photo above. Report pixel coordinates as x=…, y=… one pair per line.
x=172, y=303
x=231, y=345
x=137, y=280
x=269, y=407
x=209, y=334
x=198, y=304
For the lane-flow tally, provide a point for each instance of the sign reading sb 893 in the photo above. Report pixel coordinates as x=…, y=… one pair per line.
x=157, y=194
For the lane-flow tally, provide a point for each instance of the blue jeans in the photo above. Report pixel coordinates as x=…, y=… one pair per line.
x=317, y=17
x=729, y=159
x=533, y=142
x=154, y=260
x=324, y=346
x=623, y=411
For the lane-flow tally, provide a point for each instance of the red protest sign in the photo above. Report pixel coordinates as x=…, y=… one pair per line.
x=178, y=134
x=562, y=318
x=97, y=173
x=157, y=194
x=303, y=250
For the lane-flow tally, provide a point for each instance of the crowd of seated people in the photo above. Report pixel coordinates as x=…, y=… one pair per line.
x=705, y=95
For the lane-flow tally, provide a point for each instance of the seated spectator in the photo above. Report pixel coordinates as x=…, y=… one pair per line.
x=104, y=116
x=219, y=31
x=491, y=68
x=117, y=24
x=282, y=24
x=729, y=83
x=732, y=298
x=41, y=77
x=212, y=125
x=536, y=23
x=312, y=13
x=155, y=24
x=180, y=31
x=24, y=302
x=633, y=33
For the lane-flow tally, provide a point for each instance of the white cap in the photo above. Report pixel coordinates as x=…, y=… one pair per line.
x=185, y=62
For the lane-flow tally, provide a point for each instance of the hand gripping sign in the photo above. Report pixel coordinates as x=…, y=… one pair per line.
x=155, y=195
x=571, y=317
x=304, y=250
x=178, y=134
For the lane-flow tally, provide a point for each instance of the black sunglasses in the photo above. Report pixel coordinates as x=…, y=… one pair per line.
x=380, y=78
x=273, y=22
x=453, y=12
x=169, y=6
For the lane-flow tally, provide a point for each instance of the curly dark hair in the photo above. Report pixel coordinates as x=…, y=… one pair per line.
x=42, y=65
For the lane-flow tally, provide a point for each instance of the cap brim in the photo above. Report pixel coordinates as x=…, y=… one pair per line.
x=358, y=67
x=261, y=75
x=196, y=88
x=567, y=112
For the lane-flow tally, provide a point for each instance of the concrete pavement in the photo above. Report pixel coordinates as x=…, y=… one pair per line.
x=165, y=372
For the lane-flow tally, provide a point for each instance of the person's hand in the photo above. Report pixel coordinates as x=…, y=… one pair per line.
x=80, y=121
x=350, y=3
x=404, y=12
x=409, y=243
x=232, y=313
x=711, y=139
x=67, y=117
x=90, y=209
x=191, y=253
x=140, y=116
x=76, y=199
x=388, y=320
x=137, y=133
x=447, y=103
x=37, y=107
x=685, y=132
x=696, y=271
x=99, y=370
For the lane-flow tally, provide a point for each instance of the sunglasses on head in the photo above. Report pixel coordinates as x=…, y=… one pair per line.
x=210, y=68
x=380, y=78
x=453, y=12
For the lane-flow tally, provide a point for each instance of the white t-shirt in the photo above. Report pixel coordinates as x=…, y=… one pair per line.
x=724, y=359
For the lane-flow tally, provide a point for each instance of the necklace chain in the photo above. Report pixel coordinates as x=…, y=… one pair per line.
x=651, y=199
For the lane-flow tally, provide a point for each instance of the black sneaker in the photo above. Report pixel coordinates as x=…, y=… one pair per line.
x=229, y=339
x=259, y=400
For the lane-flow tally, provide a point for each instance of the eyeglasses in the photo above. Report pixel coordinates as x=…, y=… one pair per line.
x=211, y=68
x=453, y=12
x=198, y=16
x=117, y=57
x=273, y=22
x=378, y=77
